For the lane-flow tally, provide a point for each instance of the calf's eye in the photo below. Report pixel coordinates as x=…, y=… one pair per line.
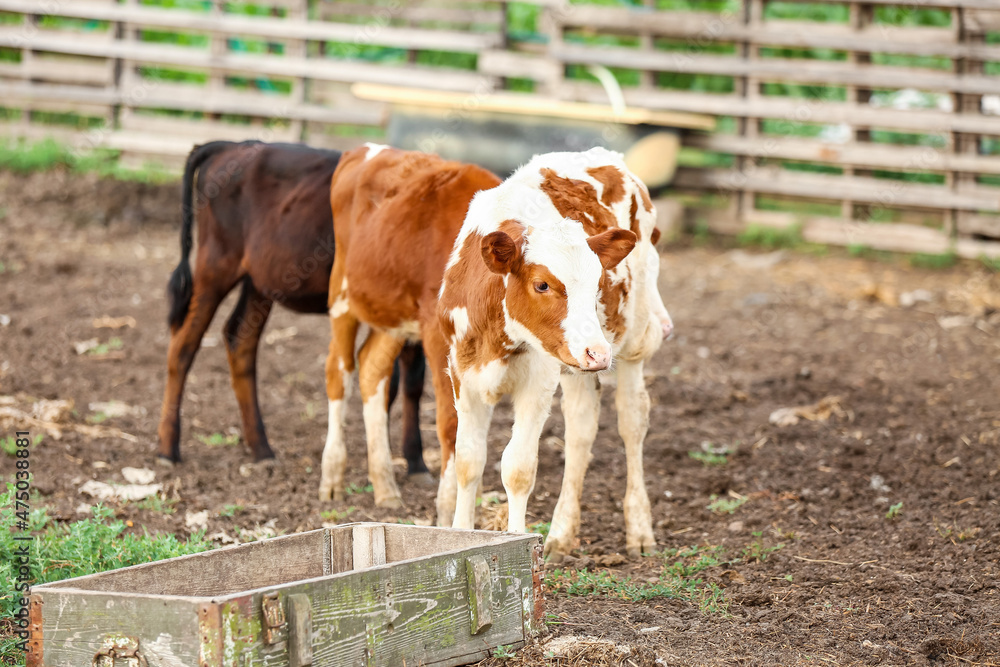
x=541, y=288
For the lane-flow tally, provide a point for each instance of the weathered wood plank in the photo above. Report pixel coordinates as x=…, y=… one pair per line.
x=984, y=225
x=265, y=563
x=329, y=70
x=415, y=611
x=969, y=4
x=77, y=622
x=774, y=180
x=287, y=29
x=713, y=27
x=190, y=98
x=368, y=546
x=980, y=20
x=407, y=542
x=341, y=549
x=793, y=110
x=510, y=63
x=887, y=156
x=778, y=69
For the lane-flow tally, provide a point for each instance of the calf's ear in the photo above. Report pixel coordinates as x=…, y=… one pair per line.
x=612, y=246
x=500, y=252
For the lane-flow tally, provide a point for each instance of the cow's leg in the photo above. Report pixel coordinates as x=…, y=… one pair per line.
x=375, y=370
x=632, y=403
x=581, y=405
x=242, y=338
x=520, y=459
x=339, y=367
x=466, y=470
x=185, y=341
x=413, y=366
x=446, y=420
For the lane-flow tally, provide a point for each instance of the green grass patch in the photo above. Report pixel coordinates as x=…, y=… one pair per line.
x=336, y=515
x=990, y=263
x=894, y=511
x=541, y=527
x=725, y=505
x=709, y=458
x=24, y=157
x=771, y=237
x=113, y=344
x=63, y=550
x=9, y=444
x=807, y=11
x=934, y=261
x=678, y=579
x=353, y=489
x=906, y=14
x=230, y=510
x=757, y=551
x=218, y=439
x=157, y=503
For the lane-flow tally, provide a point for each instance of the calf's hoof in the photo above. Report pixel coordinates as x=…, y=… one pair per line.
x=425, y=479
x=330, y=492
x=166, y=461
x=262, y=456
x=555, y=557
x=637, y=551
x=555, y=550
x=390, y=503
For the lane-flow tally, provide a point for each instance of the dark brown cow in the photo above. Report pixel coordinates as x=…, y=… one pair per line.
x=264, y=223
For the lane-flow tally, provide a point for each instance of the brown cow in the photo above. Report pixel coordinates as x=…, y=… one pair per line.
x=396, y=215
x=264, y=223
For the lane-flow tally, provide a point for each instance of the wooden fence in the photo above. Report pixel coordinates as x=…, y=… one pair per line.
x=817, y=121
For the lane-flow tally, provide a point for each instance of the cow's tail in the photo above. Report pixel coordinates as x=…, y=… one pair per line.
x=180, y=285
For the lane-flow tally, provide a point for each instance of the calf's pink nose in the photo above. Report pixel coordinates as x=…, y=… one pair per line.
x=668, y=327
x=597, y=358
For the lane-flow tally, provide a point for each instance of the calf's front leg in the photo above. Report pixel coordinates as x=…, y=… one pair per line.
x=581, y=407
x=474, y=417
x=520, y=459
x=632, y=403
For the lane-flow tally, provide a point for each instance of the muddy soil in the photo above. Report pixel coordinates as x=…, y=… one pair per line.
x=813, y=571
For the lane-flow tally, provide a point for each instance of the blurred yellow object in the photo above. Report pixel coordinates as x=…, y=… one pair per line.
x=654, y=158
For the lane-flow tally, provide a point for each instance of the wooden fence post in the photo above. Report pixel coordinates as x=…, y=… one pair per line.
x=744, y=200
x=963, y=221
x=861, y=16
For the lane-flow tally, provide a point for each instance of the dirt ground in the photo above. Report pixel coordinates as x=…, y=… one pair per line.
x=912, y=380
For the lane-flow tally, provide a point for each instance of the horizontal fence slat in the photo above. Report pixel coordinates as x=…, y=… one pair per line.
x=509, y=63
x=262, y=65
x=187, y=98
x=888, y=193
x=702, y=28
x=778, y=69
x=792, y=109
x=967, y=4
x=276, y=28
x=63, y=71
x=985, y=225
x=415, y=14
x=885, y=156
x=979, y=21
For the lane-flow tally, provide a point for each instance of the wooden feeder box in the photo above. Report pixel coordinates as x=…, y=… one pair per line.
x=360, y=594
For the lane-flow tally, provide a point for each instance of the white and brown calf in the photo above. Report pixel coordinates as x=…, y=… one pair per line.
x=553, y=278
